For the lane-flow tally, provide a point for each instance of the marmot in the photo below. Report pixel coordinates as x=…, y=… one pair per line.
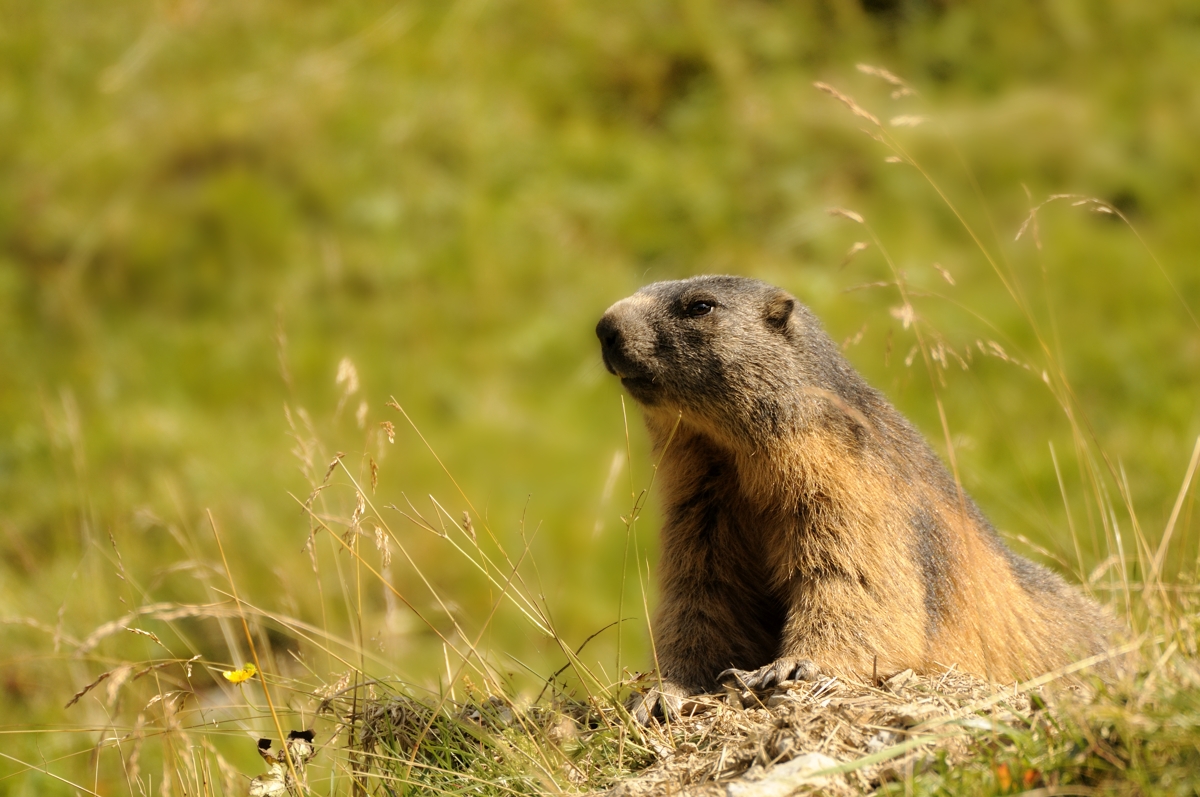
x=807, y=523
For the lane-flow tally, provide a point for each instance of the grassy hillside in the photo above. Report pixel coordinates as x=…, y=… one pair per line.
x=230, y=234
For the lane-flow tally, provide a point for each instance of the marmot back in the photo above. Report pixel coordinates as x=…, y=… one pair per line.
x=807, y=523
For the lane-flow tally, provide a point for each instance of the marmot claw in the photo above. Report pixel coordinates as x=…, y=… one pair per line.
x=665, y=701
x=775, y=673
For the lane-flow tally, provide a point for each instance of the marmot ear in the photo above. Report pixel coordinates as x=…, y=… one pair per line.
x=778, y=312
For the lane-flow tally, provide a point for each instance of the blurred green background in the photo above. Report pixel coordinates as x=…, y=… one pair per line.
x=206, y=207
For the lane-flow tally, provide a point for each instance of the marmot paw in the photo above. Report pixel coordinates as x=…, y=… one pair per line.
x=665, y=700
x=778, y=671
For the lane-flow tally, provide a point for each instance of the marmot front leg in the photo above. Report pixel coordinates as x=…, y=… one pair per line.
x=698, y=634
x=664, y=699
x=811, y=632
x=837, y=623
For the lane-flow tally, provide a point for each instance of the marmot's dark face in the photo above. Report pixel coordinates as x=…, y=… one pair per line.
x=734, y=351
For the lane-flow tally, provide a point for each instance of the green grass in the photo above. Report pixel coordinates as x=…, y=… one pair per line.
x=207, y=207
x=1138, y=738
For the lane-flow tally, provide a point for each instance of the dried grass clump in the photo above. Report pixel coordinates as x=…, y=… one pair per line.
x=851, y=737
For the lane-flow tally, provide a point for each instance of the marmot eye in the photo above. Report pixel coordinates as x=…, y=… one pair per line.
x=699, y=307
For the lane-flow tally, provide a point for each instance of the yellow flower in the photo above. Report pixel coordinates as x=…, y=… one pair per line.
x=247, y=672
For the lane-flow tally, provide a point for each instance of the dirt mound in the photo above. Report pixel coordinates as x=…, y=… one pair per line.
x=830, y=736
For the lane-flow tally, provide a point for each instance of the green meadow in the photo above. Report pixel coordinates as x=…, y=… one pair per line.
x=297, y=308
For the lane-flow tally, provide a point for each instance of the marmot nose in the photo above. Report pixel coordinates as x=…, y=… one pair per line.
x=609, y=333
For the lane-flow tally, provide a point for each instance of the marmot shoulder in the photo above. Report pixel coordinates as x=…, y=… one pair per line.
x=807, y=523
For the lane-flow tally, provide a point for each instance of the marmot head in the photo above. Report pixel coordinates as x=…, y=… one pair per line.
x=738, y=357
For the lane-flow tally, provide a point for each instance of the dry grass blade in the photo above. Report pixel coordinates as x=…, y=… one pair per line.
x=1157, y=562
x=262, y=674
x=848, y=101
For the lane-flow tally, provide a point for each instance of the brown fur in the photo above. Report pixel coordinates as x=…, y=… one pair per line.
x=806, y=520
